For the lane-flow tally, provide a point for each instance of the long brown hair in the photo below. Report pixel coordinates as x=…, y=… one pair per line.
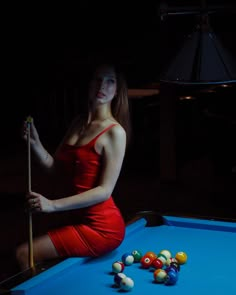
x=120, y=103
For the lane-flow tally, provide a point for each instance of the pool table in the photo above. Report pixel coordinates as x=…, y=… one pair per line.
x=210, y=269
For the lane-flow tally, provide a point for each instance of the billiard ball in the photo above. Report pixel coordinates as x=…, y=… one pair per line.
x=118, y=266
x=171, y=278
x=166, y=253
x=137, y=255
x=127, y=259
x=181, y=257
x=175, y=265
x=118, y=277
x=170, y=268
x=126, y=284
x=168, y=261
x=146, y=261
x=173, y=259
x=163, y=258
x=157, y=263
x=151, y=254
x=159, y=275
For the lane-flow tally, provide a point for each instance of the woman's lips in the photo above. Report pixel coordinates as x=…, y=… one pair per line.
x=100, y=94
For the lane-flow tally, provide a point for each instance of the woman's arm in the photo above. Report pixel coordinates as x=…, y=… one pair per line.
x=44, y=158
x=40, y=153
x=114, y=145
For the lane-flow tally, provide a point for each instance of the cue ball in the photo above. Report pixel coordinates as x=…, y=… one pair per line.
x=126, y=284
x=127, y=259
x=181, y=257
x=118, y=266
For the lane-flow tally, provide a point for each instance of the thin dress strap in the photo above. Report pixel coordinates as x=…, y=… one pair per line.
x=103, y=131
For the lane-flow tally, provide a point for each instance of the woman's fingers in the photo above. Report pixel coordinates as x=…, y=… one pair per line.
x=33, y=202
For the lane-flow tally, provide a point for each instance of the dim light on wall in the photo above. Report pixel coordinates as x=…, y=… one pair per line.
x=142, y=92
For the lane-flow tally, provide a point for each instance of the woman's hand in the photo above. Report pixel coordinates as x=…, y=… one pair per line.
x=40, y=152
x=38, y=203
x=29, y=127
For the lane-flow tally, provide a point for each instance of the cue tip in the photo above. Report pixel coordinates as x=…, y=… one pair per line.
x=29, y=119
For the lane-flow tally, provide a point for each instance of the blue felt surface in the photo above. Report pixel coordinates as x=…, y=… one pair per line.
x=210, y=268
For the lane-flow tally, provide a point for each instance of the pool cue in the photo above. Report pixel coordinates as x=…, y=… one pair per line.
x=30, y=225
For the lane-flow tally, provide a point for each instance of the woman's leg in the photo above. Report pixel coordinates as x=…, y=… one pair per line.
x=43, y=249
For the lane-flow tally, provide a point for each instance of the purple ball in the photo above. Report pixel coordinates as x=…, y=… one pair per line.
x=118, y=277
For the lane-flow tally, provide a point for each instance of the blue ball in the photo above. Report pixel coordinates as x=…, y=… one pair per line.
x=171, y=278
x=171, y=268
x=127, y=258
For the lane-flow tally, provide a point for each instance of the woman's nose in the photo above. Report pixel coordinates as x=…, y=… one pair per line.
x=102, y=84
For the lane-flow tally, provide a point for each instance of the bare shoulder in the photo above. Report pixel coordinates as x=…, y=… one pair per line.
x=117, y=129
x=113, y=139
x=117, y=132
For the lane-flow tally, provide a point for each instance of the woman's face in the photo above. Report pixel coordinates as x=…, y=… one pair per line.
x=103, y=86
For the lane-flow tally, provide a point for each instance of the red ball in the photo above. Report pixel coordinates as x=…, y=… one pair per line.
x=157, y=263
x=146, y=261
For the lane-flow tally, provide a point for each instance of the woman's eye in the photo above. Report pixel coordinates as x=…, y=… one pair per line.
x=112, y=81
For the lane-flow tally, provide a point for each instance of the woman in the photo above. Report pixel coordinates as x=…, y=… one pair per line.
x=90, y=158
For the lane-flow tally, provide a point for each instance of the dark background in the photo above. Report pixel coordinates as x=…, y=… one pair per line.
x=45, y=56
x=46, y=49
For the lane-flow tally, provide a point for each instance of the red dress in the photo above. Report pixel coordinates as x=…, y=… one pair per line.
x=94, y=230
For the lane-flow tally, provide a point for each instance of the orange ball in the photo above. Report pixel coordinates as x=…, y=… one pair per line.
x=152, y=255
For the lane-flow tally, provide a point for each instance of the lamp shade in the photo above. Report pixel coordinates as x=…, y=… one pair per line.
x=202, y=59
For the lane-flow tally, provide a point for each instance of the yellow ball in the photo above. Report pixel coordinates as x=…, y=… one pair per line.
x=181, y=257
